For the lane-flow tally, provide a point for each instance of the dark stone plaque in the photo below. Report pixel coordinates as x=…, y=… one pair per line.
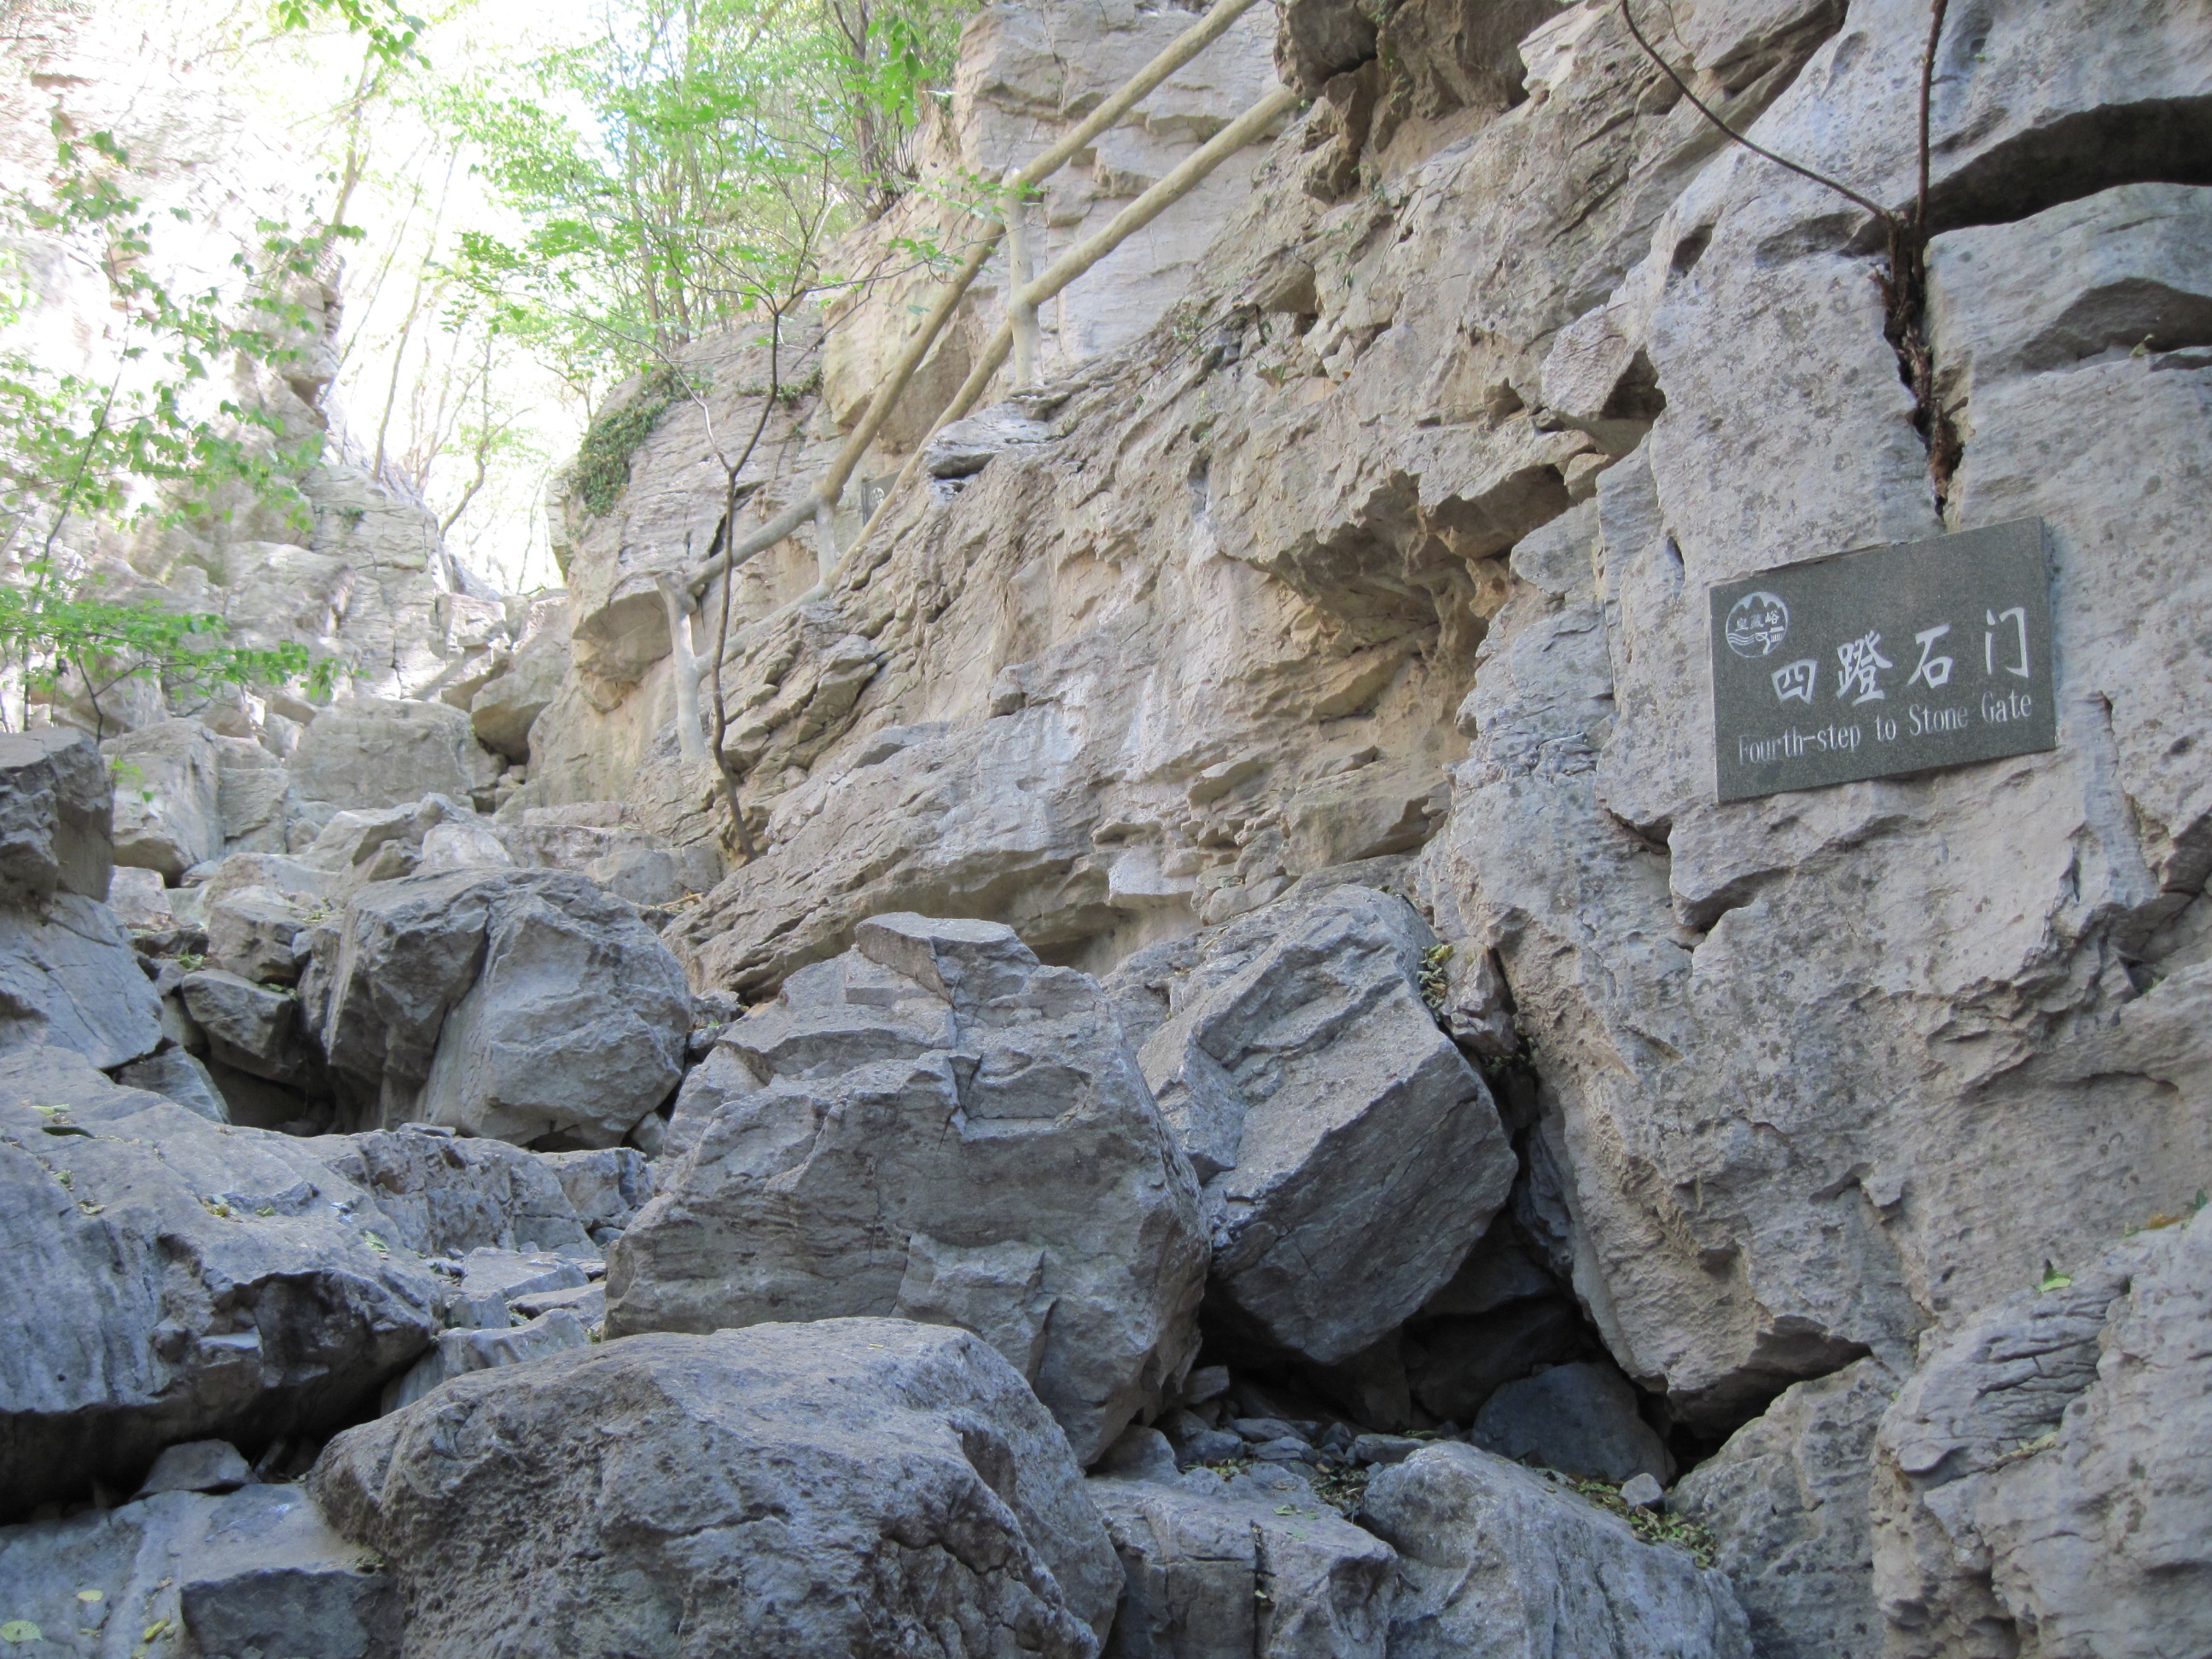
x=1888, y=660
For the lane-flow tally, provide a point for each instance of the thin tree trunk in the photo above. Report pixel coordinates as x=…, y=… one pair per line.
x=730, y=781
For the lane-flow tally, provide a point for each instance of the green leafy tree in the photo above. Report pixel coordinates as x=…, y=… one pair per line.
x=391, y=30
x=154, y=441
x=105, y=642
x=691, y=167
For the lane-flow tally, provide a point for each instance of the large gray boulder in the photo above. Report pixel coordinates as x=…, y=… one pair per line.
x=1786, y=1501
x=514, y=1004
x=938, y=1127
x=812, y=1491
x=251, y=1028
x=67, y=977
x=1580, y=1419
x=55, y=803
x=1216, y=1568
x=252, y=797
x=169, y=801
x=446, y=1194
x=172, y=1279
x=251, y=932
x=1350, y=1154
x=256, y=1571
x=2041, y=1482
x=381, y=751
x=1496, y=1562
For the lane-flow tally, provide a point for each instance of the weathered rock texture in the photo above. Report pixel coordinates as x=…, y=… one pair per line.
x=257, y=1570
x=1981, y=998
x=847, y=1487
x=1498, y=1563
x=1786, y=1500
x=1214, y=1568
x=1368, y=514
x=511, y=1003
x=55, y=815
x=446, y=1194
x=376, y=753
x=938, y=1126
x=2041, y=1483
x=174, y=1279
x=1350, y=1154
x=68, y=977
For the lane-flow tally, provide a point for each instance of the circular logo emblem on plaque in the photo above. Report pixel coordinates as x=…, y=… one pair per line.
x=1757, y=625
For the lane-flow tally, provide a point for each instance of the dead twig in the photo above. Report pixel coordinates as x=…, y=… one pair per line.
x=1903, y=281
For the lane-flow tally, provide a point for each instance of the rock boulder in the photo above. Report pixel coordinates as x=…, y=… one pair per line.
x=55, y=802
x=1496, y=1562
x=448, y=1194
x=380, y=752
x=176, y=1279
x=67, y=977
x=942, y=1128
x=1350, y=1154
x=1218, y=1568
x=1581, y=1419
x=257, y=1570
x=169, y=803
x=514, y=1004
x=813, y=1491
x=502, y=713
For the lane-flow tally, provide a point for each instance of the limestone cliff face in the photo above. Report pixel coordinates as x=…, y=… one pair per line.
x=1317, y=657
x=1391, y=535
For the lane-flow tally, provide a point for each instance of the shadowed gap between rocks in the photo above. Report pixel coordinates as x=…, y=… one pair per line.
x=2165, y=141
x=1503, y=1356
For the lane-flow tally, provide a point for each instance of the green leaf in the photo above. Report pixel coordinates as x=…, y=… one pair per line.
x=21, y=1630
x=2053, y=1279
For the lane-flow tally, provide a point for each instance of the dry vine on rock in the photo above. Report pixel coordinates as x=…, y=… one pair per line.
x=1904, y=278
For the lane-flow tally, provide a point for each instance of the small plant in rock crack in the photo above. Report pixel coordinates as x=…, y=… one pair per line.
x=1343, y=1486
x=2160, y=1219
x=1435, y=978
x=1653, y=1526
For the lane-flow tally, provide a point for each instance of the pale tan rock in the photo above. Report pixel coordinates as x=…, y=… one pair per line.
x=502, y=713
x=168, y=811
x=375, y=752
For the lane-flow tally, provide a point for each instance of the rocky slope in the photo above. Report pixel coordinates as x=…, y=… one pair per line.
x=1276, y=1112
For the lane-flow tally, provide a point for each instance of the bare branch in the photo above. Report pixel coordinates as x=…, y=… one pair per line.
x=1706, y=110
